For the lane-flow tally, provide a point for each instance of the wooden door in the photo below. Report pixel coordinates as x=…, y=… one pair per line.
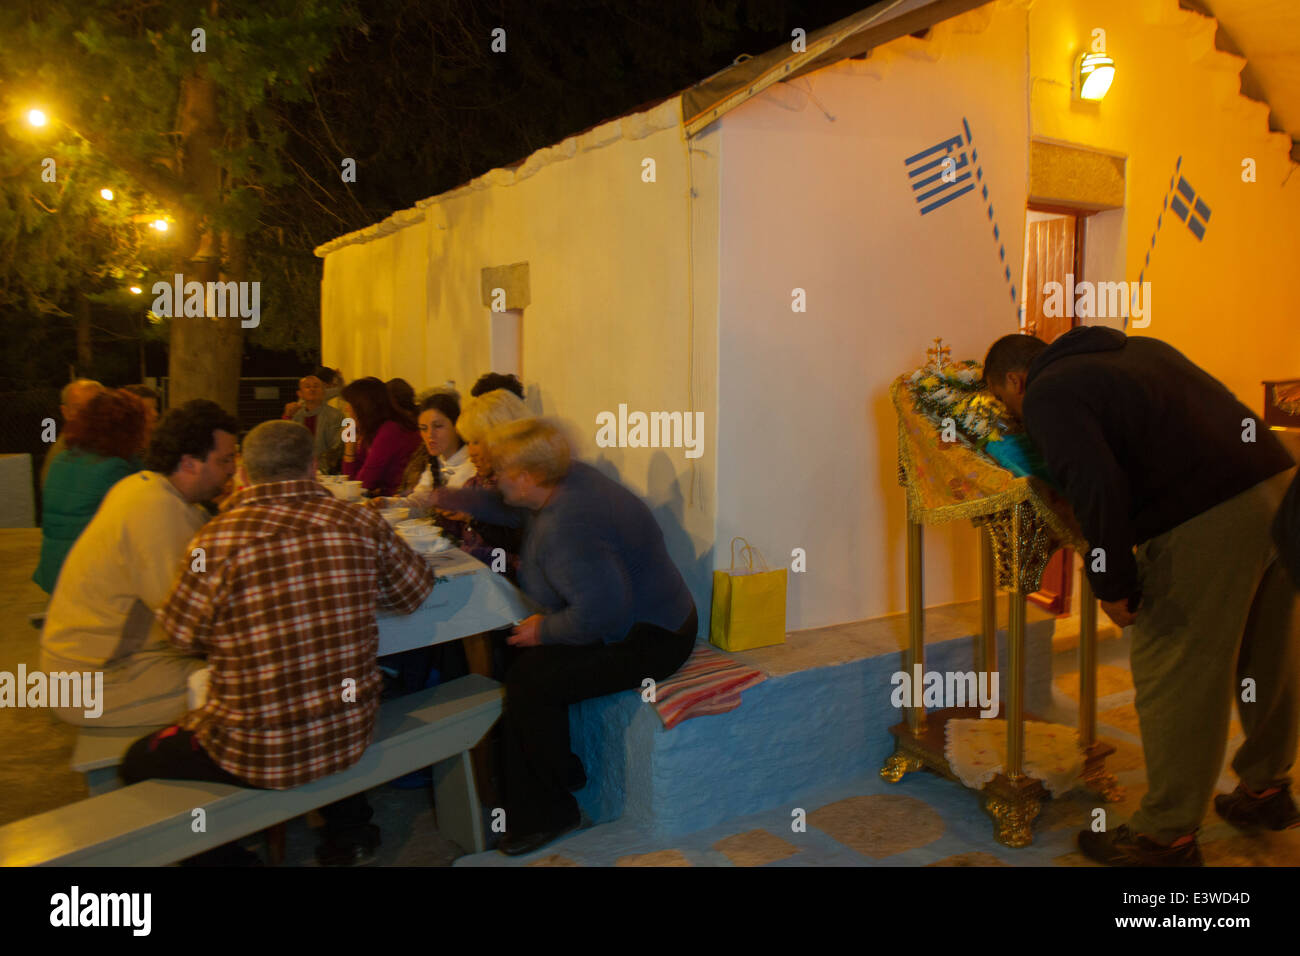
x=1052, y=255
x=1049, y=257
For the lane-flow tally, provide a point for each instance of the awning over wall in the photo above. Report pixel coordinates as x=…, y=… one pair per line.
x=852, y=36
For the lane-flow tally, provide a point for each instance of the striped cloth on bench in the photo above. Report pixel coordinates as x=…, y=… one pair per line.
x=710, y=682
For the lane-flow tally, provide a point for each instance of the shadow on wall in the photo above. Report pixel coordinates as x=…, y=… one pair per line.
x=533, y=399
x=667, y=503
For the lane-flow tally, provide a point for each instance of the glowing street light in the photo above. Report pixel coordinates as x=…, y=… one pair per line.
x=107, y=194
x=136, y=290
x=37, y=118
x=160, y=225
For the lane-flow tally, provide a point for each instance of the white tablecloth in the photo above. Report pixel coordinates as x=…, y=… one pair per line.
x=469, y=598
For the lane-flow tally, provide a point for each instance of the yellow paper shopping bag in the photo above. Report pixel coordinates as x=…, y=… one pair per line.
x=748, y=603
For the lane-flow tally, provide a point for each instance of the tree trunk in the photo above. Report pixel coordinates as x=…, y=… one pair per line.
x=81, y=312
x=205, y=352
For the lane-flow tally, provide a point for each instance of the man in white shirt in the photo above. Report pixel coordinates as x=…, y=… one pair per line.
x=120, y=571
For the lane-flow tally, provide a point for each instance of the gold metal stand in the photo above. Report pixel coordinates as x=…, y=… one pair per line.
x=1012, y=799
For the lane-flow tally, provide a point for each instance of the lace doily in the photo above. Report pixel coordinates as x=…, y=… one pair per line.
x=977, y=752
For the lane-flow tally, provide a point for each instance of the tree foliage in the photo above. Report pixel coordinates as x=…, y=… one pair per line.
x=410, y=89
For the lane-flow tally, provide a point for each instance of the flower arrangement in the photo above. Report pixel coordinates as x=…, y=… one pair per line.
x=955, y=391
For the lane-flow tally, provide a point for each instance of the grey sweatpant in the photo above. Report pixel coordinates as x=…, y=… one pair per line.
x=1217, y=608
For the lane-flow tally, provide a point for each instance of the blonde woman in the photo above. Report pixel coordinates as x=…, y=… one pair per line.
x=478, y=416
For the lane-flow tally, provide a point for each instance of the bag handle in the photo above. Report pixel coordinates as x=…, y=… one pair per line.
x=747, y=553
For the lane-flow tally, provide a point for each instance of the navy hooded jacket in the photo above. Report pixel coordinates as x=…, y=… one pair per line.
x=1140, y=439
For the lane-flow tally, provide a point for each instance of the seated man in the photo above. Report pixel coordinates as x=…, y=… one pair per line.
x=120, y=569
x=285, y=611
x=323, y=421
x=618, y=611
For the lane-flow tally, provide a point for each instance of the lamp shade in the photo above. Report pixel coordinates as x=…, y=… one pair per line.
x=1093, y=76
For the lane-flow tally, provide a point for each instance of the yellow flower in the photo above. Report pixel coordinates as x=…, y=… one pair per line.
x=929, y=381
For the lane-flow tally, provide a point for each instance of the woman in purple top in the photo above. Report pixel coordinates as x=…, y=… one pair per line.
x=386, y=437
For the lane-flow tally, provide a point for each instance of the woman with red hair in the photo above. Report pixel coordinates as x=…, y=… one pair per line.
x=103, y=445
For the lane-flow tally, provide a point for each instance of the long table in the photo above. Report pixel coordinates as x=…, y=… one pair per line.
x=469, y=598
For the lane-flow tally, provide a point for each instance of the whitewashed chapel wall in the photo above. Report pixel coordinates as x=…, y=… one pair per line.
x=1224, y=299
x=608, y=323
x=808, y=456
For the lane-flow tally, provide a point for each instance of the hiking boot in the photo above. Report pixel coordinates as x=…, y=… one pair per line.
x=1250, y=811
x=1123, y=847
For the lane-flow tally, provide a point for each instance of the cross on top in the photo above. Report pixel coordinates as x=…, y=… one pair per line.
x=938, y=355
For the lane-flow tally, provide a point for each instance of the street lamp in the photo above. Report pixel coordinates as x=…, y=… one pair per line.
x=37, y=118
x=107, y=194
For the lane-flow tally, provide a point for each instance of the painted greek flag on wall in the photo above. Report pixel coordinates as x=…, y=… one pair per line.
x=940, y=174
x=1197, y=216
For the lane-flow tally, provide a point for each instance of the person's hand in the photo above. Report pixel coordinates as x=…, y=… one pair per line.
x=528, y=633
x=291, y=409
x=1118, y=612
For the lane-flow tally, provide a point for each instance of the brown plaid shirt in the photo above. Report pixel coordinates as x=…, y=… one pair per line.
x=285, y=611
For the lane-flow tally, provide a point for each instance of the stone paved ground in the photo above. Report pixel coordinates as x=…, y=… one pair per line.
x=925, y=820
x=922, y=821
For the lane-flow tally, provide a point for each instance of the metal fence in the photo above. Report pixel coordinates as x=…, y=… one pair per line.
x=21, y=428
x=260, y=398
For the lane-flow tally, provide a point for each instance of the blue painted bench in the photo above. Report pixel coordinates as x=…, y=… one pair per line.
x=151, y=823
x=791, y=734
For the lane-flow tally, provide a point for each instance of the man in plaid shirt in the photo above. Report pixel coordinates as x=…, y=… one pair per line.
x=283, y=605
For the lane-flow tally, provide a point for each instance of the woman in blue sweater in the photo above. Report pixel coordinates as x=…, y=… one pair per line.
x=616, y=610
x=103, y=445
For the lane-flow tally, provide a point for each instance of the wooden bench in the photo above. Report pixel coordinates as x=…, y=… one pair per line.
x=152, y=823
x=99, y=751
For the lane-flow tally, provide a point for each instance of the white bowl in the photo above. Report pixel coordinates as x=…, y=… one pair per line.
x=418, y=525
x=351, y=490
x=395, y=515
x=427, y=545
